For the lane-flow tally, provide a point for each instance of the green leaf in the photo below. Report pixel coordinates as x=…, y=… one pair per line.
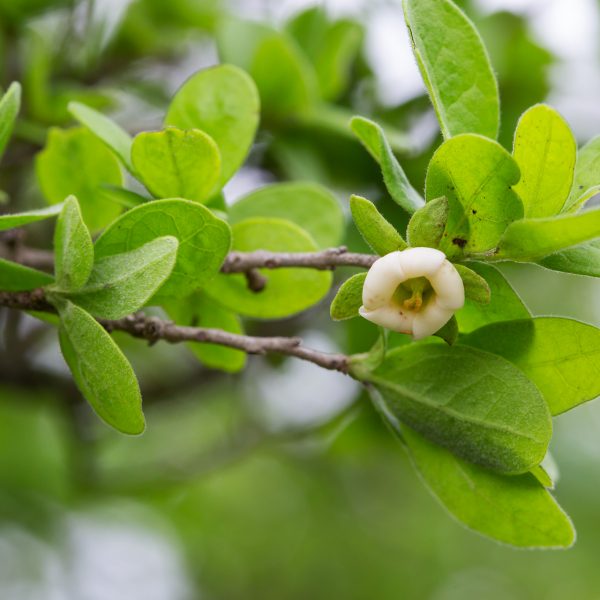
x=308, y=205
x=545, y=151
x=75, y=162
x=505, y=304
x=373, y=226
x=123, y=283
x=101, y=371
x=374, y=140
x=19, y=219
x=18, y=278
x=223, y=102
x=543, y=477
x=9, y=109
x=177, y=164
x=528, y=240
x=198, y=310
x=426, y=227
x=476, y=404
x=449, y=332
x=284, y=77
x=515, y=510
x=237, y=39
x=561, y=356
x=475, y=174
x=586, y=181
x=289, y=290
x=126, y=198
x=114, y=136
x=73, y=248
x=476, y=287
x=581, y=260
x=348, y=299
x=204, y=241
x=455, y=67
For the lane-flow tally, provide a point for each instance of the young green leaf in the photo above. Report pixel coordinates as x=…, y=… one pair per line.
x=204, y=241
x=101, y=371
x=476, y=287
x=114, y=136
x=505, y=304
x=449, y=332
x=580, y=260
x=455, y=67
x=426, y=227
x=528, y=240
x=561, y=356
x=223, y=102
x=237, y=39
x=475, y=174
x=476, y=404
x=19, y=219
x=288, y=291
x=18, y=278
x=515, y=510
x=284, y=77
x=76, y=162
x=177, y=164
x=198, y=310
x=545, y=151
x=543, y=477
x=374, y=140
x=123, y=283
x=373, y=226
x=73, y=248
x=308, y=205
x=586, y=182
x=348, y=299
x=119, y=195
x=9, y=109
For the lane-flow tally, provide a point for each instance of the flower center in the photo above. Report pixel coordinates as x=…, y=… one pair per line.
x=413, y=294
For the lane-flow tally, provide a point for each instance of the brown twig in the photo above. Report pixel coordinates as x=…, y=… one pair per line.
x=154, y=329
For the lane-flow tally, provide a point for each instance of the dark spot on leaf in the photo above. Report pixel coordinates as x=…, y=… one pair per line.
x=580, y=187
x=474, y=211
x=460, y=242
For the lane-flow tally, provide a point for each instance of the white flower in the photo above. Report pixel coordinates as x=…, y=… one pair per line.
x=413, y=291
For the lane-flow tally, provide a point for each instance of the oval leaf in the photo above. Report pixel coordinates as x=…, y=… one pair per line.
x=455, y=67
x=32, y=216
x=9, y=109
x=204, y=241
x=586, y=181
x=348, y=299
x=476, y=404
x=101, y=371
x=18, y=278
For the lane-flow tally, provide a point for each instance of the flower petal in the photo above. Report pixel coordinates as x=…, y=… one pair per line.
x=429, y=320
x=448, y=286
x=384, y=276
x=389, y=317
x=420, y=262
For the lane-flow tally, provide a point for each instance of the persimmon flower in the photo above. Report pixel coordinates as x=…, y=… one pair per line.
x=414, y=291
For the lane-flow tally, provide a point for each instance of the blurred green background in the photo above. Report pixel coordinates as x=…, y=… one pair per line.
x=279, y=482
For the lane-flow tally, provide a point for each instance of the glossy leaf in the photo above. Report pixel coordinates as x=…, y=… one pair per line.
x=515, y=510
x=101, y=371
x=373, y=226
x=18, y=278
x=204, y=241
x=476, y=404
x=455, y=67
x=308, y=205
x=198, y=310
x=426, y=227
x=348, y=299
x=223, y=102
x=586, y=182
x=19, y=219
x=123, y=283
x=561, y=356
x=9, y=109
x=545, y=151
x=475, y=174
x=504, y=305
x=177, y=164
x=374, y=140
x=289, y=290
x=581, y=260
x=113, y=135
x=75, y=162
x=73, y=248
x=528, y=240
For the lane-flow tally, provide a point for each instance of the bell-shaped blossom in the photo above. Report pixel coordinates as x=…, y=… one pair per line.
x=414, y=291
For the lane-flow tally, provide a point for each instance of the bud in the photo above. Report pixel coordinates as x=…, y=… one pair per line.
x=414, y=291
